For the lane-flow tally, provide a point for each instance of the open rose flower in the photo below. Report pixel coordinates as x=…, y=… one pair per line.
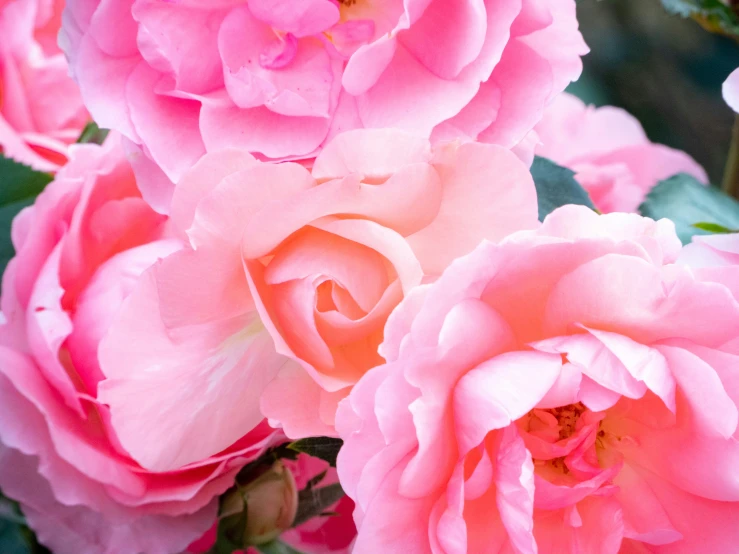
x=279, y=78
x=41, y=111
x=311, y=262
x=609, y=152
x=569, y=390
x=325, y=534
x=80, y=249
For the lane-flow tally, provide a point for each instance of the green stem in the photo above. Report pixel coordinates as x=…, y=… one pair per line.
x=731, y=172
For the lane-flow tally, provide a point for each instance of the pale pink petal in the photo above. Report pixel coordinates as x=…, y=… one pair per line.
x=435, y=413
x=595, y=360
x=489, y=185
x=448, y=36
x=570, y=128
x=295, y=402
x=48, y=327
x=366, y=152
x=233, y=359
x=644, y=516
x=435, y=99
x=524, y=79
x=367, y=64
x=98, y=303
x=406, y=531
x=155, y=187
x=657, y=238
x=271, y=134
x=560, y=28
x=225, y=296
x=203, y=178
x=357, y=427
x=73, y=529
x=76, y=462
x=514, y=481
x=181, y=40
x=731, y=90
x=713, y=410
x=638, y=303
x=493, y=394
x=166, y=124
x=102, y=81
x=224, y=214
x=302, y=85
x=301, y=19
x=692, y=516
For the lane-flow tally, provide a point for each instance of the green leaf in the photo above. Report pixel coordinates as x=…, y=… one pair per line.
x=325, y=448
x=317, y=479
x=253, y=469
x=19, y=182
x=556, y=186
x=277, y=547
x=15, y=536
x=686, y=201
x=713, y=15
x=714, y=228
x=13, y=540
x=313, y=502
x=93, y=134
x=19, y=186
x=230, y=533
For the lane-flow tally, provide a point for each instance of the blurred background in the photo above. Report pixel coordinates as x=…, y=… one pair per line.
x=665, y=70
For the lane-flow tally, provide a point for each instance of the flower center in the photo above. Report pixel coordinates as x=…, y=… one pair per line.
x=565, y=442
x=567, y=417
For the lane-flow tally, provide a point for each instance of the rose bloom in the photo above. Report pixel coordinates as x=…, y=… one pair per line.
x=80, y=249
x=731, y=90
x=569, y=390
x=609, y=152
x=331, y=534
x=41, y=111
x=311, y=262
x=280, y=78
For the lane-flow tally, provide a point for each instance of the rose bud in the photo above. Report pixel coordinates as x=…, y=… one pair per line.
x=270, y=503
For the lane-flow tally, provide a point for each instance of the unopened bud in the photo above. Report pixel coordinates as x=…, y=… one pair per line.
x=270, y=501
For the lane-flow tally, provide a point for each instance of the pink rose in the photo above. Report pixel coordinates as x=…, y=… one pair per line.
x=731, y=90
x=41, y=111
x=331, y=534
x=569, y=390
x=80, y=250
x=311, y=262
x=279, y=78
x=608, y=150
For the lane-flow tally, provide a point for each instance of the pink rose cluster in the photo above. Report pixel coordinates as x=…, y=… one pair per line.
x=295, y=283
x=280, y=78
x=41, y=109
x=315, y=218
